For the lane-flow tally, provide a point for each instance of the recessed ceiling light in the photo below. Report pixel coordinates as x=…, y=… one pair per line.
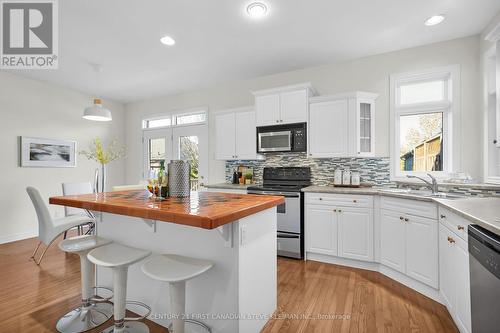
x=167, y=40
x=257, y=10
x=433, y=20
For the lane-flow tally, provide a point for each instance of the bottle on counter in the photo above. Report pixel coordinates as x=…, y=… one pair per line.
x=235, y=177
x=163, y=181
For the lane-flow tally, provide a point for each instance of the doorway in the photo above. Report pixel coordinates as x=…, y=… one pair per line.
x=178, y=143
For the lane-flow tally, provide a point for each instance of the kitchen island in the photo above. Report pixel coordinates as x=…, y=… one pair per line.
x=237, y=232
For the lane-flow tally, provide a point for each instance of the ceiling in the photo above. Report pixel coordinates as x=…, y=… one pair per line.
x=217, y=42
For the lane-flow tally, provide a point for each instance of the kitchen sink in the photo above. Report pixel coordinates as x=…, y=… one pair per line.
x=426, y=194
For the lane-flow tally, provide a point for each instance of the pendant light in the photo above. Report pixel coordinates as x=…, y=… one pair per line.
x=97, y=112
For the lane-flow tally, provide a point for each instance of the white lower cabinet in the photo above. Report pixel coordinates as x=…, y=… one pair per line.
x=321, y=230
x=422, y=250
x=410, y=240
x=355, y=236
x=339, y=226
x=392, y=240
x=409, y=244
x=454, y=282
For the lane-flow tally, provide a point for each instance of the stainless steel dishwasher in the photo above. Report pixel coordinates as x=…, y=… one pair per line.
x=484, y=262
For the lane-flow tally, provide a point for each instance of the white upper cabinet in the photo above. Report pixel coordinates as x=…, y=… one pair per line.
x=225, y=136
x=342, y=125
x=268, y=107
x=235, y=135
x=283, y=105
x=328, y=123
x=293, y=106
x=245, y=147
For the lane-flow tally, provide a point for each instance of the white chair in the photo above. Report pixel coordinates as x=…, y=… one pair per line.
x=93, y=311
x=48, y=228
x=176, y=270
x=75, y=189
x=119, y=257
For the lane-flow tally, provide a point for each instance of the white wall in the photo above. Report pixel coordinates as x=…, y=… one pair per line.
x=38, y=109
x=368, y=74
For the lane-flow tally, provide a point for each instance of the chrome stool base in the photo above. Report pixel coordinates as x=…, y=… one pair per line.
x=129, y=327
x=85, y=318
x=197, y=326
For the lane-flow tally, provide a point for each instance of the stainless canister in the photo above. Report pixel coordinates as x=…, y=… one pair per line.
x=178, y=178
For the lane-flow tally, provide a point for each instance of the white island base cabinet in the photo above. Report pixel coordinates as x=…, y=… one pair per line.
x=242, y=283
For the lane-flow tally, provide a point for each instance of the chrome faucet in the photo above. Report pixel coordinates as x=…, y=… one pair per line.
x=433, y=184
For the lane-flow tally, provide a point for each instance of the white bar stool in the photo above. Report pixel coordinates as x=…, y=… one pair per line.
x=92, y=312
x=176, y=270
x=119, y=258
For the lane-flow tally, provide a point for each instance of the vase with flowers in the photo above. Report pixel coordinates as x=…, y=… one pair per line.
x=104, y=155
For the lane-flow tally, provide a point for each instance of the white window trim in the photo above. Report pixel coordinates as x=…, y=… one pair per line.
x=451, y=118
x=173, y=116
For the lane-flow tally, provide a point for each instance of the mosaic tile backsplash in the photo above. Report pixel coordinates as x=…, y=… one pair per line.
x=374, y=170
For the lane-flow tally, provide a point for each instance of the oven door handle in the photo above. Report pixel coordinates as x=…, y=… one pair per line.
x=284, y=194
x=288, y=236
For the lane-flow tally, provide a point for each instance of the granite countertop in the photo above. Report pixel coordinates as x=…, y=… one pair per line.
x=207, y=210
x=228, y=186
x=365, y=191
x=482, y=211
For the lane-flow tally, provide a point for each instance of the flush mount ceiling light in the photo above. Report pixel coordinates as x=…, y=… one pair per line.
x=167, y=40
x=257, y=10
x=97, y=112
x=434, y=20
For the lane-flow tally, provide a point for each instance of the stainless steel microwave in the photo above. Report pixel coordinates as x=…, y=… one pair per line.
x=282, y=138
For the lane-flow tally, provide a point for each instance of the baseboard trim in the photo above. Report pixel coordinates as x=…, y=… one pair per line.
x=387, y=271
x=18, y=236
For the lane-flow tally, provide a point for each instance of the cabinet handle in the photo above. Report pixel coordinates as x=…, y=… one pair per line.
x=401, y=218
x=335, y=210
x=355, y=201
x=443, y=216
x=460, y=227
x=340, y=210
x=407, y=219
x=451, y=240
x=320, y=199
x=277, y=121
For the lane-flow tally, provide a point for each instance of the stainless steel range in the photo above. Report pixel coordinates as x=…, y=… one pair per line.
x=287, y=182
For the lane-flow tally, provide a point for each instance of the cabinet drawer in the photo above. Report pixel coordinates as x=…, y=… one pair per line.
x=454, y=222
x=343, y=200
x=409, y=206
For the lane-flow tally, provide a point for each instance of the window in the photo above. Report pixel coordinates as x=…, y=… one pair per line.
x=191, y=118
x=424, y=122
x=176, y=119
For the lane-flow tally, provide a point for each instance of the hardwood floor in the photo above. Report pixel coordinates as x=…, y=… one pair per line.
x=312, y=297
x=331, y=298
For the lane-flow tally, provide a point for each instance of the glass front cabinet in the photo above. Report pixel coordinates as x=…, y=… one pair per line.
x=365, y=123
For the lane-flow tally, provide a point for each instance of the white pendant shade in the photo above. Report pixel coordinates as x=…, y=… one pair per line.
x=97, y=112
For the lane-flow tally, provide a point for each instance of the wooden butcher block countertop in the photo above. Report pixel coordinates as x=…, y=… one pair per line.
x=207, y=210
